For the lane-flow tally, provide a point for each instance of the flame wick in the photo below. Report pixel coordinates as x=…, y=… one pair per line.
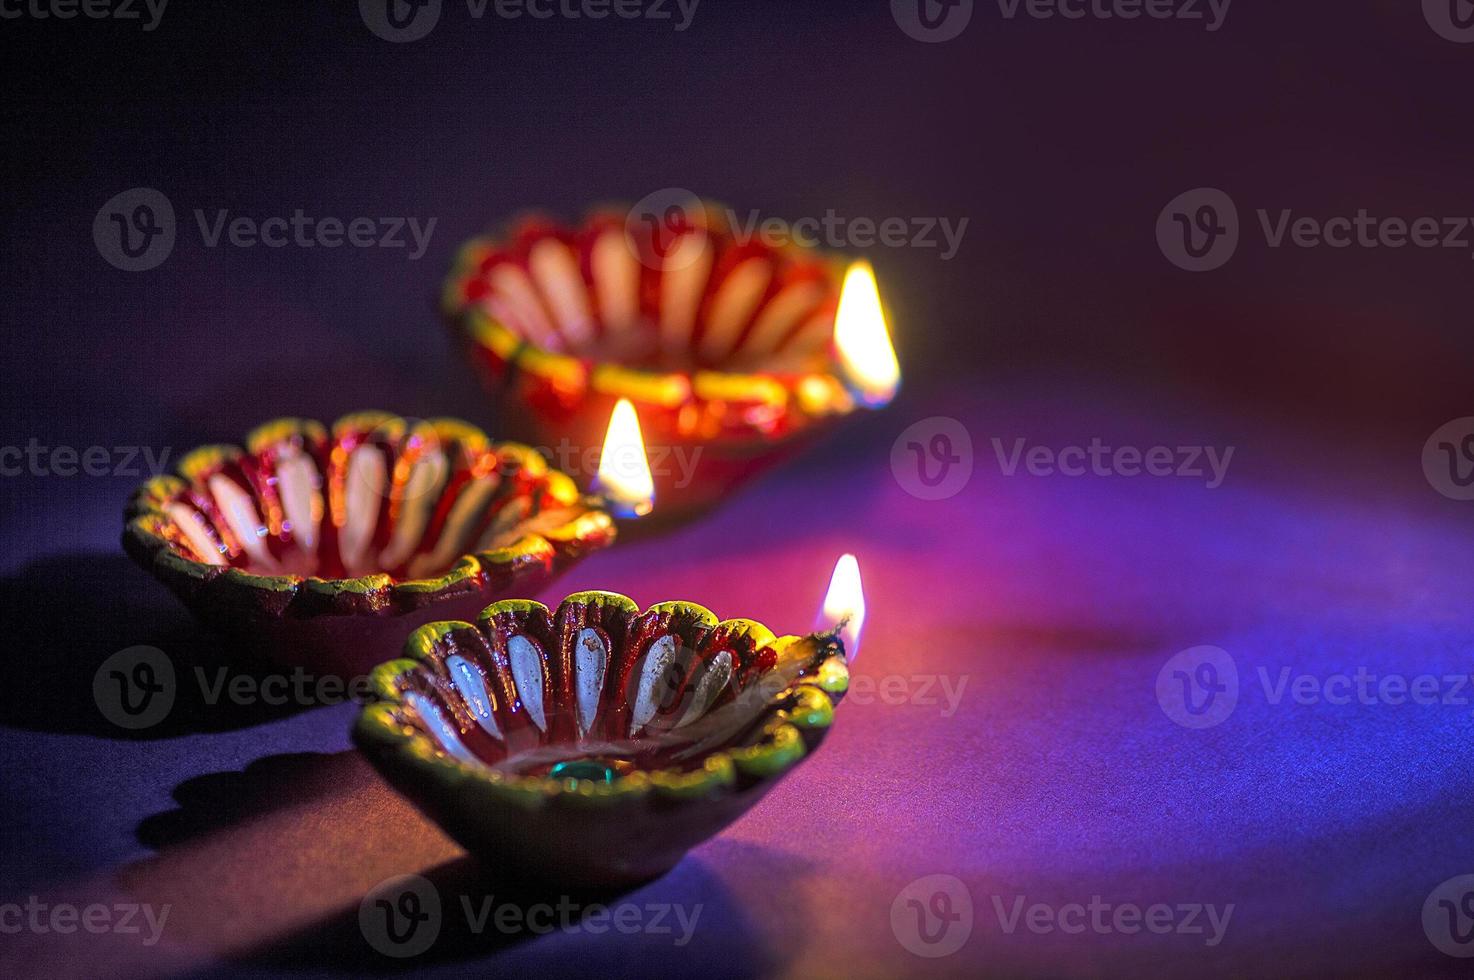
x=624, y=480
x=862, y=340
x=843, y=612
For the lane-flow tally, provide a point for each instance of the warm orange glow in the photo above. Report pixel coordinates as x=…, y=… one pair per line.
x=845, y=603
x=624, y=472
x=861, y=337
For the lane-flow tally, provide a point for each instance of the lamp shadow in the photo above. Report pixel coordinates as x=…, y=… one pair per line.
x=64, y=616
x=269, y=867
x=492, y=919
x=218, y=801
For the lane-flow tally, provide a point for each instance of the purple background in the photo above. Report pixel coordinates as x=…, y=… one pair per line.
x=1055, y=600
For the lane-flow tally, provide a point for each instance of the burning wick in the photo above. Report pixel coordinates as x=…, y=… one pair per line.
x=844, y=606
x=624, y=479
x=862, y=340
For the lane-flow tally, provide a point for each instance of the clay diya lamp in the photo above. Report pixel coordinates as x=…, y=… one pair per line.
x=595, y=744
x=734, y=353
x=325, y=549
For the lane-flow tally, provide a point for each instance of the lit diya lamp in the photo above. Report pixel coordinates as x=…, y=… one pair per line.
x=734, y=352
x=326, y=548
x=595, y=744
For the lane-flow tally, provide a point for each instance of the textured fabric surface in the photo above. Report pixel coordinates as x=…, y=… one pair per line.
x=1004, y=729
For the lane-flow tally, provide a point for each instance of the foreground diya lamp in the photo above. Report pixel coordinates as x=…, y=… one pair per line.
x=595, y=744
x=735, y=353
x=326, y=549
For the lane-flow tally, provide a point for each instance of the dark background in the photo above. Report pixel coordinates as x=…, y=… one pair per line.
x=1059, y=141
